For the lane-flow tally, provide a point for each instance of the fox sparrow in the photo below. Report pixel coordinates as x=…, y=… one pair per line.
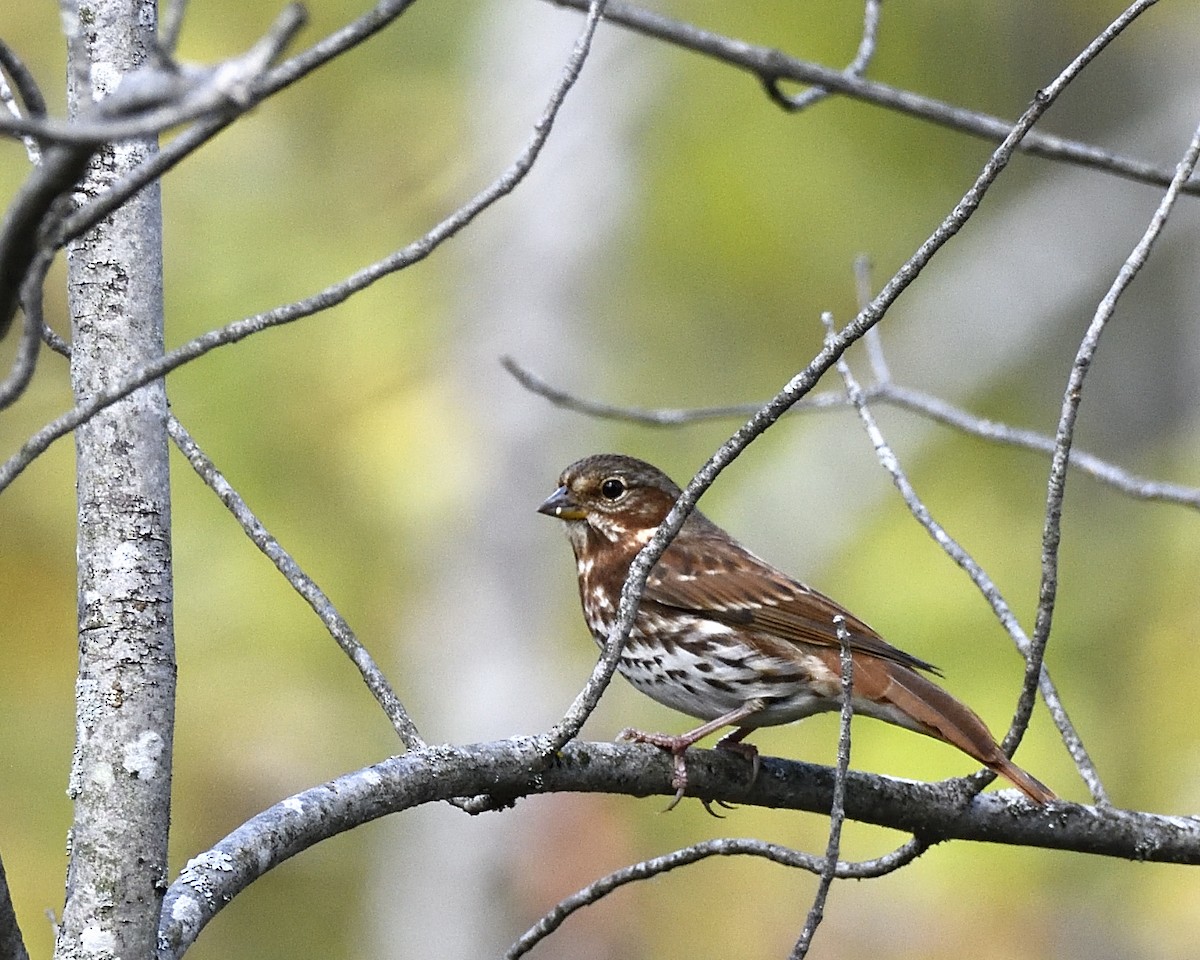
x=724, y=637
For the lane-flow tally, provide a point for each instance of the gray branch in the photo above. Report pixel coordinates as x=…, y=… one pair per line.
x=720, y=847
x=772, y=66
x=882, y=391
x=511, y=769
x=301, y=582
x=1064, y=436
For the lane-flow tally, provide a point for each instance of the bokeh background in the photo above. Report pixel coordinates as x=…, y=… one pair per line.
x=675, y=245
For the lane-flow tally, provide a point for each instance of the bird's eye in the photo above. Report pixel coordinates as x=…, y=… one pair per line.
x=612, y=489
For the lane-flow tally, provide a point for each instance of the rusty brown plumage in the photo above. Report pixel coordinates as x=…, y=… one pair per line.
x=723, y=636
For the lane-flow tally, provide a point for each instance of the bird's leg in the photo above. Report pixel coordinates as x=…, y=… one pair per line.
x=677, y=745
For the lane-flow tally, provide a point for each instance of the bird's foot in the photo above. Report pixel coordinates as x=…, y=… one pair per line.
x=674, y=745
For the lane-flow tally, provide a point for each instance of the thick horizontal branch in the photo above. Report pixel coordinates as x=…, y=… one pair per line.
x=507, y=770
x=771, y=66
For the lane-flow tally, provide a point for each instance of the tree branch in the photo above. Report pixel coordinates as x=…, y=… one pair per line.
x=837, y=806
x=1064, y=436
x=720, y=847
x=882, y=391
x=304, y=585
x=856, y=68
x=771, y=66
x=510, y=769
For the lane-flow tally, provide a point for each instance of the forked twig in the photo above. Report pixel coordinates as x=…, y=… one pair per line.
x=794, y=103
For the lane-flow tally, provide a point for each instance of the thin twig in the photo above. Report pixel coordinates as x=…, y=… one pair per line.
x=794, y=103
x=25, y=361
x=1130, y=484
x=837, y=811
x=863, y=288
x=171, y=26
x=768, y=65
x=12, y=945
x=721, y=847
x=1072, y=396
x=32, y=102
x=884, y=391
x=658, y=416
x=301, y=582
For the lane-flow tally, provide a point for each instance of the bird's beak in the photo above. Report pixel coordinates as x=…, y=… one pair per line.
x=559, y=504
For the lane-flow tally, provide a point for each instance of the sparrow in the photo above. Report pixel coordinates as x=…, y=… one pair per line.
x=723, y=636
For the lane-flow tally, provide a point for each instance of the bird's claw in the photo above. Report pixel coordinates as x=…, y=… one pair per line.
x=677, y=747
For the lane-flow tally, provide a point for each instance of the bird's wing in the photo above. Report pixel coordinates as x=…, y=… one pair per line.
x=722, y=581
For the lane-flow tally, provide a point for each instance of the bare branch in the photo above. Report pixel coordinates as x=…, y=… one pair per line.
x=837, y=811
x=1064, y=436
x=26, y=85
x=1130, y=484
x=511, y=769
x=316, y=598
x=12, y=946
x=856, y=68
x=32, y=101
x=171, y=26
x=720, y=847
x=656, y=417
x=883, y=391
x=25, y=361
x=771, y=66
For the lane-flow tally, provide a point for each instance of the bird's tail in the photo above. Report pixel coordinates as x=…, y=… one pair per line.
x=1028, y=784
x=931, y=710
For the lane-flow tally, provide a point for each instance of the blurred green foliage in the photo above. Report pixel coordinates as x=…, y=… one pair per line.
x=744, y=227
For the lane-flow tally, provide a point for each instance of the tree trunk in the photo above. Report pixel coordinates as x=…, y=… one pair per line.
x=121, y=772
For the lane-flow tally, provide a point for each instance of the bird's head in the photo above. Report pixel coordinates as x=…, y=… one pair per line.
x=617, y=497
